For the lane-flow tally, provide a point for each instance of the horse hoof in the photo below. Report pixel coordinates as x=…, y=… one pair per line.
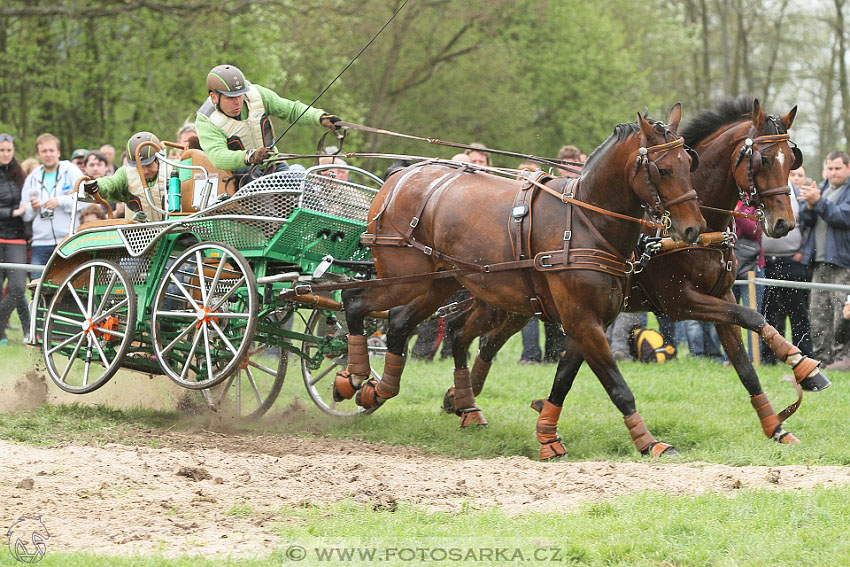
x=815, y=383
x=449, y=402
x=537, y=405
x=657, y=448
x=552, y=450
x=367, y=396
x=343, y=388
x=784, y=437
x=472, y=416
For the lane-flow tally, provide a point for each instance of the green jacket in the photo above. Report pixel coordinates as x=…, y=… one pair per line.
x=214, y=141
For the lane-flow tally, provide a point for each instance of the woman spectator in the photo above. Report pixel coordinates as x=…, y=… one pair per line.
x=13, y=244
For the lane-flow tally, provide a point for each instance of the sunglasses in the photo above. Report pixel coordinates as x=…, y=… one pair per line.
x=6, y=138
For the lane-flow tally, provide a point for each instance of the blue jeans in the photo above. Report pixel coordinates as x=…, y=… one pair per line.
x=703, y=339
x=531, y=341
x=17, y=279
x=40, y=256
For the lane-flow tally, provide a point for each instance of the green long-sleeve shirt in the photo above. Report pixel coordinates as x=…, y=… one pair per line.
x=116, y=187
x=214, y=141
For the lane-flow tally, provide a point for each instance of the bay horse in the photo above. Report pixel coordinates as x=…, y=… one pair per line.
x=435, y=227
x=744, y=154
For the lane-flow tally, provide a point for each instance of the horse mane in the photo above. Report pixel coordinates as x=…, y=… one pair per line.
x=727, y=111
x=621, y=132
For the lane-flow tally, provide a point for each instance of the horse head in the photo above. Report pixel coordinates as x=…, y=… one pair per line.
x=761, y=163
x=659, y=173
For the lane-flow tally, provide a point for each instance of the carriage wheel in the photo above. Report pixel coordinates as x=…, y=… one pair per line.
x=319, y=381
x=252, y=390
x=89, y=326
x=204, y=315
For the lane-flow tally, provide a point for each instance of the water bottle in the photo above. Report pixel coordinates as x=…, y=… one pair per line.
x=174, y=192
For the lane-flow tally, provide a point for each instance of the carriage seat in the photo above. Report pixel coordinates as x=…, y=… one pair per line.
x=227, y=183
x=105, y=222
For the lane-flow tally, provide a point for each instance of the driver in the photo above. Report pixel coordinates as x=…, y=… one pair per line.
x=234, y=125
x=126, y=184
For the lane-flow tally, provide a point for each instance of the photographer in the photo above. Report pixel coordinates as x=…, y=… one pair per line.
x=48, y=197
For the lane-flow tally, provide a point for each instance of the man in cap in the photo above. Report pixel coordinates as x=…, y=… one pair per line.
x=128, y=185
x=234, y=124
x=78, y=158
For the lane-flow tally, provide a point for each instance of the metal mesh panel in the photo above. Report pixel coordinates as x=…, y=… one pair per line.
x=139, y=236
x=137, y=267
x=339, y=198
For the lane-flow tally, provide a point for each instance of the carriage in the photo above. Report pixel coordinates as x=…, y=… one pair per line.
x=197, y=296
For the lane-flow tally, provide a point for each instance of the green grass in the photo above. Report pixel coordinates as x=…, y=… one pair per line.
x=697, y=405
x=752, y=528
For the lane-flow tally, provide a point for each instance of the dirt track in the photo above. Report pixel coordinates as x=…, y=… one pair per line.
x=176, y=499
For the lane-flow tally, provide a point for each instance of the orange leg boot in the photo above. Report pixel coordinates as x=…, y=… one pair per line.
x=770, y=423
x=806, y=370
x=464, y=401
x=372, y=394
x=547, y=432
x=349, y=381
x=643, y=439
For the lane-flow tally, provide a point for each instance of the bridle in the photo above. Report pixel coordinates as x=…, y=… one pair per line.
x=750, y=154
x=656, y=206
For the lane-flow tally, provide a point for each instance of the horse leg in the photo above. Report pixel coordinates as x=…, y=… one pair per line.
x=463, y=329
x=733, y=344
x=401, y=323
x=460, y=399
x=551, y=446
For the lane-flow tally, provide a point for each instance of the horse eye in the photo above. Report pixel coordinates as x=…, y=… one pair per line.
x=765, y=162
x=665, y=173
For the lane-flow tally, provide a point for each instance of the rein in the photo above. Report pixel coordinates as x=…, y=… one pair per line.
x=572, y=166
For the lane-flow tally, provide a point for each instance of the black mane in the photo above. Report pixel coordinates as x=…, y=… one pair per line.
x=621, y=132
x=727, y=111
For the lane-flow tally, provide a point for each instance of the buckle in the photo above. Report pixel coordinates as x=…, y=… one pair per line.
x=302, y=289
x=568, y=234
x=428, y=250
x=414, y=222
x=546, y=257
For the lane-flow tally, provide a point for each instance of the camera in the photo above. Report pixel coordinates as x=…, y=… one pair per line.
x=46, y=213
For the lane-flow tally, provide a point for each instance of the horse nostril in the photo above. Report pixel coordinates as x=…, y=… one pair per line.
x=691, y=235
x=780, y=229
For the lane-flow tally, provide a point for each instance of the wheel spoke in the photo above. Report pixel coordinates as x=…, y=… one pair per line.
x=179, y=338
x=87, y=366
x=207, y=352
x=189, y=355
x=229, y=315
x=63, y=343
x=100, y=351
x=79, y=301
x=230, y=292
x=223, y=338
x=315, y=378
x=72, y=357
x=227, y=385
x=202, y=279
x=265, y=369
x=64, y=319
x=106, y=294
x=218, y=271
x=177, y=314
x=90, y=302
x=254, y=387
x=120, y=305
x=186, y=294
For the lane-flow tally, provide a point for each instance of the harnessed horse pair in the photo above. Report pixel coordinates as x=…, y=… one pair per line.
x=745, y=155
x=436, y=227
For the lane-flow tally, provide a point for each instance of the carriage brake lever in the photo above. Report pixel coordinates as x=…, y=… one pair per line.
x=323, y=266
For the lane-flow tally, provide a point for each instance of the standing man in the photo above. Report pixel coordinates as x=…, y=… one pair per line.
x=788, y=258
x=49, y=199
x=827, y=212
x=234, y=124
x=108, y=151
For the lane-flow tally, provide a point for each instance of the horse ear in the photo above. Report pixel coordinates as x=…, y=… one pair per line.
x=788, y=119
x=645, y=128
x=759, y=119
x=675, y=117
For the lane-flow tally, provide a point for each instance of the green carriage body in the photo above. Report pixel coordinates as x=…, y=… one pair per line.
x=284, y=223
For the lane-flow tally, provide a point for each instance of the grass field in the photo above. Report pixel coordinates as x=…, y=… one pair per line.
x=698, y=406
